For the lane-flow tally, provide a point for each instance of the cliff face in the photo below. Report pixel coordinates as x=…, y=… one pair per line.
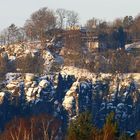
x=65, y=96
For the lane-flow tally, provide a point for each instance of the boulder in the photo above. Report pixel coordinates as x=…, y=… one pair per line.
x=35, y=52
x=39, y=90
x=2, y=94
x=30, y=92
x=11, y=86
x=28, y=84
x=35, y=90
x=27, y=51
x=12, y=76
x=34, y=84
x=29, y=77
x=68, y=101
x=43, y=83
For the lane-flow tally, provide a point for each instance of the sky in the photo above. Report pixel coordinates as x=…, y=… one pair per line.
x=18, y=11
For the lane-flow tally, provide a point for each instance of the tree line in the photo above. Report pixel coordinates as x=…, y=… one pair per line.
x=38, y=24
x=122, y=30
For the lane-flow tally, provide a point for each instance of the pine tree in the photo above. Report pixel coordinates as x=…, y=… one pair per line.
x=81, y=127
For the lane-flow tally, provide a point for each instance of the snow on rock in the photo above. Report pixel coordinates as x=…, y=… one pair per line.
x=47, y=55
x=72, y=89
x=12, y=76
x=70, y=70
x=43, y=83
x=49, y=59
x=110, y=106
x=30, y=92
x=34, y=84
x=2, y=94
x=12, y=58
x=132, y=46
x=56, y=102
x=79, y=97
x=28, y=84
x=29, y=77
x=12, y=85
x=68, y=102
x=35, y=52
x=84, y=85
x=21, y=50
x=39, y=90
x=120, y=105
x=27, y=52
x=70, y=98
x=124, y=79
x=35, y=90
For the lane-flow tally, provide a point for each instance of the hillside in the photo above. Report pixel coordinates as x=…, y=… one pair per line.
x=38, y=81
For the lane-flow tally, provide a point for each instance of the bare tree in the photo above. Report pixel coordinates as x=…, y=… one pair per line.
x=40, y=127
x=118, y=22
x=21, y=34
x=61, y=15
x=91, y=23
x=39, y=22
x=3, y=36
x=72, y=18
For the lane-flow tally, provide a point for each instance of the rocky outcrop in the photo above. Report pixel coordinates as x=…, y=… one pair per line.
x=64, y=97
x=14, y=54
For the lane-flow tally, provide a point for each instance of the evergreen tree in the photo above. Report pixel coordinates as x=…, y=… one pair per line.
x=81, y=127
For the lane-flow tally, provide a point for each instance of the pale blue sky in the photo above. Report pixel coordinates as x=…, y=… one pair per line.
x=17, y=11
